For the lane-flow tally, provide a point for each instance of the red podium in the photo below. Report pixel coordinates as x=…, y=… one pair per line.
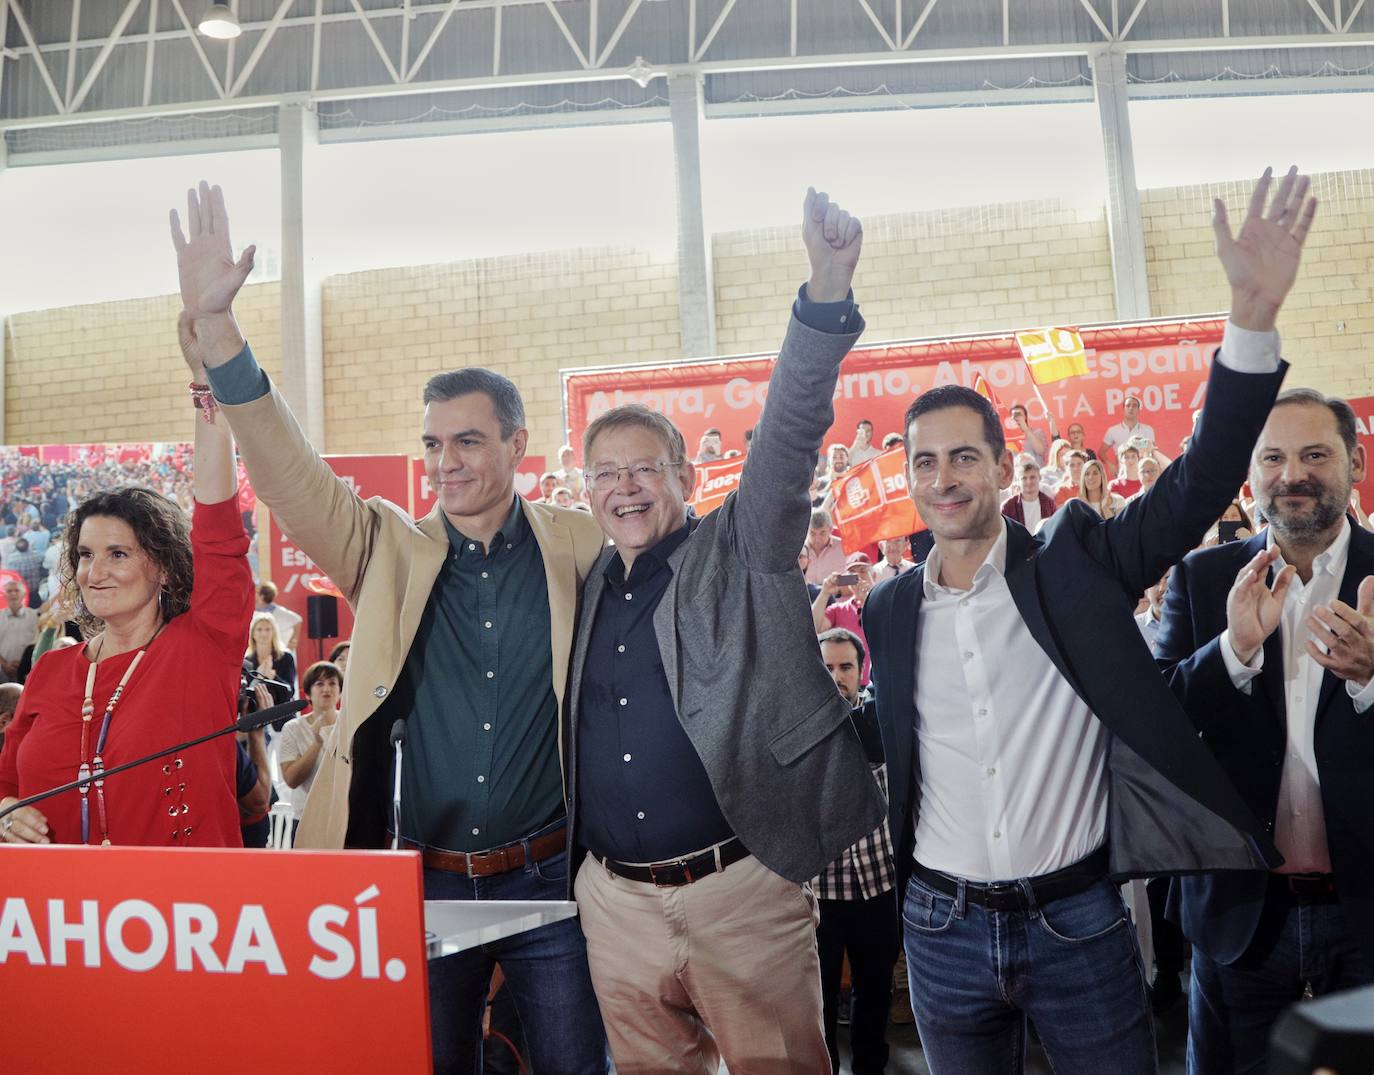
x=139, y=959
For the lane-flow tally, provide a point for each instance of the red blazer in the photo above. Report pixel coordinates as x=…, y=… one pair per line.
x=1013, y=509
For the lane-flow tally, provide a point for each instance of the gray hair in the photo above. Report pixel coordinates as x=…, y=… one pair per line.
x=639, y=416
x=1339, y=408
x=504, y=396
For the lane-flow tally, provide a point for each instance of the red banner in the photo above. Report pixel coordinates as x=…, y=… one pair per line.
x=287, y=565
x=204, y=958
x=527, y=477
x=871, y=502
x=1165, y=363
x=1364, y=431
x=716, y=481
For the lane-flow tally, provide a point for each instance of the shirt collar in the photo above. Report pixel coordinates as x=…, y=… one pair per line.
x=1330, y=561
x=995, y=563
x=648, y=562
x=512, y=531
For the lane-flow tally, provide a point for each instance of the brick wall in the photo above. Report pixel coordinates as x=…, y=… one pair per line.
x=110, y=372
x=1327, y=322
x=113, y=371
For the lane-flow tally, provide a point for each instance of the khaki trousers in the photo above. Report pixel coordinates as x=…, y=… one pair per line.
x=725, y=967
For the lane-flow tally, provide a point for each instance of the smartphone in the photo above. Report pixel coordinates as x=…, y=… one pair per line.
x=846, y=580
x=1226, y=530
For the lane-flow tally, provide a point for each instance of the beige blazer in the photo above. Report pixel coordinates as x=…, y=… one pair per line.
x=385, y=563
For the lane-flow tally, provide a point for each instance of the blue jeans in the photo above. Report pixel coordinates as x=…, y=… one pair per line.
x=545, y=969
x=1233, y=1007
x=1072, y=966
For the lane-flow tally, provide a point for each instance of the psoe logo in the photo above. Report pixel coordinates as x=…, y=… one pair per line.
x=138, y=935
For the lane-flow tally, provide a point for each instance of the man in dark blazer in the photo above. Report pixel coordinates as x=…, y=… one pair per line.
x=713, y=762
x=1035, y=754
x=1270, y=646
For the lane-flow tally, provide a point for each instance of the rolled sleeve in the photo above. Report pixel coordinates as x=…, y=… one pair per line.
x=240, y=380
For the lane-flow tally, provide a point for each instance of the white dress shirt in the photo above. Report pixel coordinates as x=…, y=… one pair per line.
x=1013, y=763
x=1300, y=823
x=886, y=570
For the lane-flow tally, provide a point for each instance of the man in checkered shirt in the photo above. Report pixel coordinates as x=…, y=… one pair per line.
x=857, y=892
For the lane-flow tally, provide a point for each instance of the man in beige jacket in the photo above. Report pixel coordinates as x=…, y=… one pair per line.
x=464, y=623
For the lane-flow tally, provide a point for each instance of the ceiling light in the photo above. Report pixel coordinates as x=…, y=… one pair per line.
x=220, y=23
x=640, y=71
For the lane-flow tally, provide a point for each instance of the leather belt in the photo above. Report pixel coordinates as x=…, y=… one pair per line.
x=1010, y=895
x=501, y=860
x=679, y=871
x=1305, y=887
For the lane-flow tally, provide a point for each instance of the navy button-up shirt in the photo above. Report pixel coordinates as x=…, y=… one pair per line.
x=645, y=796
x=481, y=760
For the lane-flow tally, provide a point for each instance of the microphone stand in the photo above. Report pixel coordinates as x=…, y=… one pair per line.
x=398, y=739
x=244, y=724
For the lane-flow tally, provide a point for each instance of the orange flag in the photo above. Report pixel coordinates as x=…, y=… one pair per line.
x=871, y=502
x=716, y=481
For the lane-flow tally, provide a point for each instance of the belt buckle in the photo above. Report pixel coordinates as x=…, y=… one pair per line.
x=994, y=893
x=680, y=864
x=467, y=863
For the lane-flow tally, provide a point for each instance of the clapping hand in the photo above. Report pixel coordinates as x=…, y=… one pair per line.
x=1261, y=261
x=1253, y=607
x=1348, y=635
x=833, y=240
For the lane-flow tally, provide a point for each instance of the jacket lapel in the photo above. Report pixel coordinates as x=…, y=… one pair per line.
x=1025, y=594
x=591, y=599
x=560, y=571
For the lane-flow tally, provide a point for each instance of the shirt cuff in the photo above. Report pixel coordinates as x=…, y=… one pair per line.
x=1241, y=674
x=836, y=318
x=240, y=380
x=1361, y=697
x=1247, y=351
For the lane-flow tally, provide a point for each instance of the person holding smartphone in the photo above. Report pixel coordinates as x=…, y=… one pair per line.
x=1234, y=525
x=851, y=586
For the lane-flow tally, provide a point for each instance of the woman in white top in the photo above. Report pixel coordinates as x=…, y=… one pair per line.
x=305, y=738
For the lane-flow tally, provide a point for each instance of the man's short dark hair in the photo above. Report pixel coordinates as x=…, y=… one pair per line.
x=864, y=422
x=712, y=432
x=1076, y=454
x=892, y=440
x=843, y=634
x=820, y=519
x=504, y=396
x=955, y=395
x=1339, y=408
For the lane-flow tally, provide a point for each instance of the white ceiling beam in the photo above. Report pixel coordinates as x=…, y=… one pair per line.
x=376, y=41
x=103, y=57
x=199, y=49
x=567, y=34
x=619, y=32
x=698, y=53
x=18, y=8
x=1349, y=22
x=434, y=36
x=405, y=39
x=877, y=23
x=1092, y=12
x=920, y=21
x=4, y=35
x=1135, y=14
x=1322, y=16
x=264, y=39
x=71, y=52
x=149, y=54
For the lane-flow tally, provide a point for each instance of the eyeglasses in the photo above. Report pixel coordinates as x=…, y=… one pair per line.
x=645, y=472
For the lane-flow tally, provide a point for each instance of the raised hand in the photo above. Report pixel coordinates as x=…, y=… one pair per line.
x=1261, y=261
x=1253, y=608
x=1348, y=635
x=208, y=274
x=833, y=240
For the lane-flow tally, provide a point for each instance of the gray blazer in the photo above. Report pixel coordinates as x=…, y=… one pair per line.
x=739, y=646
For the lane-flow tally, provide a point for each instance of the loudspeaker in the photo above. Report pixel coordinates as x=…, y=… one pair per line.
x=322, y=616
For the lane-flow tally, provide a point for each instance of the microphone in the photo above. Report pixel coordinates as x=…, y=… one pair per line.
x=248, y=723
x=251, y=722
x=398, y=741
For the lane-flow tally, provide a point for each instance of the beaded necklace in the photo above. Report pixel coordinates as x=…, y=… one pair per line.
x=96, y=764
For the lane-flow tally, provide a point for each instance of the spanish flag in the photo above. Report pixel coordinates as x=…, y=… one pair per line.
x=1053, y=354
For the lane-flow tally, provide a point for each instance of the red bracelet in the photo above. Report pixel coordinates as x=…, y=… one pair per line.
x=204, y=401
